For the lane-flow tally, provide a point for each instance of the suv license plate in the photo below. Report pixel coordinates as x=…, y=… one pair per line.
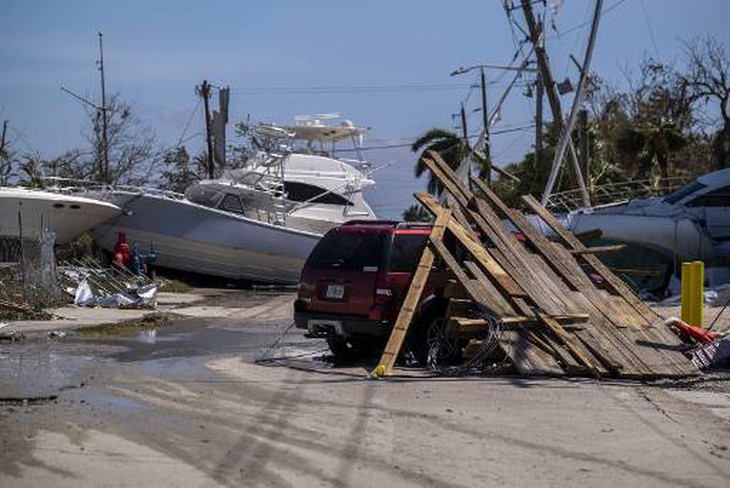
x=335, y=291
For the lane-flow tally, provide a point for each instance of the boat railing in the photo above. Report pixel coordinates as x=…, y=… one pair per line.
x=75, y=186
x=570, y=200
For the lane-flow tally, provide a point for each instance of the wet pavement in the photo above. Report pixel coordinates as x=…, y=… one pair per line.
x=42, y=367
x=190, y=403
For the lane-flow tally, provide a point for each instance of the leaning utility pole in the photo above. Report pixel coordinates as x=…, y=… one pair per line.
x=464, y=132
x=104, y=173
x=204, y=91
x=485, y=120
x=583, y=144
x=2, y=140
x=536, y=37
x=540, y=89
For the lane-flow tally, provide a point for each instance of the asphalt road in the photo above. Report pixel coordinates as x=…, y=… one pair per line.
x=189, y=405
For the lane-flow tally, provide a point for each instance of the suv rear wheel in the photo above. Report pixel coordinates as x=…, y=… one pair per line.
x=427, y=338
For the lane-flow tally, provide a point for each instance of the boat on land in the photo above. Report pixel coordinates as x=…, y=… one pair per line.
x=692, y=223
x=27, y=213
x=257, y=222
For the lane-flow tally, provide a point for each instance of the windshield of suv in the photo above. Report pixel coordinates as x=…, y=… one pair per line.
x=406, y=252
x=348, y=251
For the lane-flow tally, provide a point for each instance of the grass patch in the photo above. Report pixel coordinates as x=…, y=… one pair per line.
x=174, y=286
x=149, y=321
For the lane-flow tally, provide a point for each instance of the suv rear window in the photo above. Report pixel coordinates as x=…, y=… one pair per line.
x=406, y=252
x=348, y=250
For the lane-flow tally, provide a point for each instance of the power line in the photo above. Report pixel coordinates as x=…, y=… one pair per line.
x=472, y=136
x=649, y=27
x=345, y=89
x=584, y=24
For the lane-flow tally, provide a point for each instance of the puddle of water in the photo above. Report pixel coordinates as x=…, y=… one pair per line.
x=191, y=338
x=38, y=369
x=147, y=336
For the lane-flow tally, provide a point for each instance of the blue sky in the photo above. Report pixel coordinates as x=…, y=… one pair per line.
x=156, y=52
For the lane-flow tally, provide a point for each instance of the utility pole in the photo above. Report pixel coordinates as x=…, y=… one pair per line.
x=540, y=93
x=551, y=91
x=204, y=91
x=2, y=141
x=583, y=145
x=485, y=120
x=104, y=173
x=464, y=132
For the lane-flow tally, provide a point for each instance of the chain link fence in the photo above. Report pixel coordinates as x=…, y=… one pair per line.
x=28, y=271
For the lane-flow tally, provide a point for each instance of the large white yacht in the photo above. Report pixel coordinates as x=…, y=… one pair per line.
x=29, y=212
x=257, y=222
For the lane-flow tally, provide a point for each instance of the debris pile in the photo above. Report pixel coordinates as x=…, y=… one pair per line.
x=552, y=306
x=94, y=286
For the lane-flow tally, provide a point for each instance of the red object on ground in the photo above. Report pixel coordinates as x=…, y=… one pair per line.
x=697, y=333
x=122, y=250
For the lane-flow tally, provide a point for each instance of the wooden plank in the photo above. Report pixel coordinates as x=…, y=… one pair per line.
x=514, y=303
x=596, y=347
x=606, y=313
x=576, y=349
x=511, y=256
x=528, y=358
x=452, y=188
x=599, y=249
x=447, y=176
x=484, y=297
x=564, y=358
x=408, y=308
x=534, y=237
x=459, y=307
x=467, y=239
x=614, y=282
x=525, y=321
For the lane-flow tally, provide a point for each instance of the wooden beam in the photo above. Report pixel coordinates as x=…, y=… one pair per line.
x=598, y=249
x=614, y=282
x=482, y=256
x=408, y=309
x=570, y=344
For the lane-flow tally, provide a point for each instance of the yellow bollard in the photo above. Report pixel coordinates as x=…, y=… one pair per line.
x=687, y=293
x=698, y=293
x=693, y=287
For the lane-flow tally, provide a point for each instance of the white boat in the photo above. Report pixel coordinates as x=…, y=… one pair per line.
x=68, y=216
x=258, y=222
x=693, y=223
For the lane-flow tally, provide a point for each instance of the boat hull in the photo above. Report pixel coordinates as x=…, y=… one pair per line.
x=677, y=237
x=195, y=238
x=68, y=216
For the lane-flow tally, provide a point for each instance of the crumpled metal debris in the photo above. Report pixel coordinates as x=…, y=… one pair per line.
x=144, y=296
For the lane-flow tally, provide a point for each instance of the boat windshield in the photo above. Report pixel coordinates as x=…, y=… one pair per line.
x=303, y=192
x=687, y=189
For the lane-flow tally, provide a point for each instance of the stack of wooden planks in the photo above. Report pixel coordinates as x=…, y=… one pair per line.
x=560, y=310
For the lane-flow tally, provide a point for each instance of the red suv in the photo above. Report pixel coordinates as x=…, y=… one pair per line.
x=354, y=282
